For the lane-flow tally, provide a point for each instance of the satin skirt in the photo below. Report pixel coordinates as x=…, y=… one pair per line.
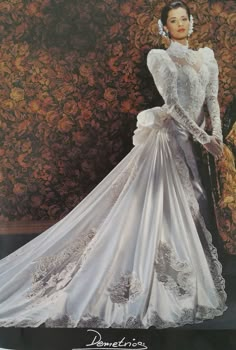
x=134, y=253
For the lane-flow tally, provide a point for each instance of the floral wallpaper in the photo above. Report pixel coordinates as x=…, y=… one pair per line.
x=73, y=77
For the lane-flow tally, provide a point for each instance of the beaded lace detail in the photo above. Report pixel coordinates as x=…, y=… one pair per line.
x=185, y=79
x=54, y=272
x=212, y=93
x=127, y=288
x=175, y=275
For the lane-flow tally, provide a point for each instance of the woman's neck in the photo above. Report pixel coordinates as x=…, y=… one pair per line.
x=183, y=42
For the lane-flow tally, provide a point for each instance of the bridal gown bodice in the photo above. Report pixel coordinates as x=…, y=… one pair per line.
x=136, y=251
x=186, y=79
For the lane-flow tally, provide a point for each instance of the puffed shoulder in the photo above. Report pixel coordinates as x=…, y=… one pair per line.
x=159, y=58
x=210, y=61
x=158, y=54
x=208, y=53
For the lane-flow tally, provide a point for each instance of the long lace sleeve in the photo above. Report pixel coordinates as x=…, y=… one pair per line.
x=164, y=74
x=212, y=93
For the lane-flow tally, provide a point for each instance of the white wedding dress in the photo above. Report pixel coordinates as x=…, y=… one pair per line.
x=135, y=252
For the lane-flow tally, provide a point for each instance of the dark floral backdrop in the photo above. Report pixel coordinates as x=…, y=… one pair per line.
x=73, y=77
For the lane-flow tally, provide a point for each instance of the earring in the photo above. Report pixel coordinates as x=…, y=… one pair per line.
x=190, y=30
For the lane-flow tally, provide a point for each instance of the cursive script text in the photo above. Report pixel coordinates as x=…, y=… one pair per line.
x=98, y=342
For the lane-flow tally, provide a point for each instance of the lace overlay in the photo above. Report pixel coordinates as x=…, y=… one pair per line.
x=185, y=79
x=212, y=93
x=175, y=275
x=165, y=78
x=126, y=289
x=53, y=273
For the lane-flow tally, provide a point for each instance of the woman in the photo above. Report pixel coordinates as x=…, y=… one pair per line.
x=135, y=252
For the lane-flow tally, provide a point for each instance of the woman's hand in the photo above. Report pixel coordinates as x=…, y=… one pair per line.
x=215, y=147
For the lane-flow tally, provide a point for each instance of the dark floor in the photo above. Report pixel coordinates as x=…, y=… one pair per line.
x=219, y=333
x=76, y=339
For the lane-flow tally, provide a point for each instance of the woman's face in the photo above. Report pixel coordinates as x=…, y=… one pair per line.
x=177, y=23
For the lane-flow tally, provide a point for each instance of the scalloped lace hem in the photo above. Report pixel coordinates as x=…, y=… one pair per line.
x=187, y=317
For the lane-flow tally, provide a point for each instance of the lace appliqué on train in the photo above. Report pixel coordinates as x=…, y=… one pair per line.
x=53, y=273
x=175, y=275
x=126, y=289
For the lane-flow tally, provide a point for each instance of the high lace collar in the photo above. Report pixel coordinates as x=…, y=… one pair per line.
x=175, y=46
x=184, y=55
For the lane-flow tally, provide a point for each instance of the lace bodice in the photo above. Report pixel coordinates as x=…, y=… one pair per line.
x=186, y=79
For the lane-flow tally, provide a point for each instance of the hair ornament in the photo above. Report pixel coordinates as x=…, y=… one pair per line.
x=162, y=32
x=190, y=30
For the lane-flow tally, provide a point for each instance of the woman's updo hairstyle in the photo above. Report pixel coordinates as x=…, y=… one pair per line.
x=171, y=6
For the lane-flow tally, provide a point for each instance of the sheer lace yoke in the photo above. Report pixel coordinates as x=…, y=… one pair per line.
x=182, y=56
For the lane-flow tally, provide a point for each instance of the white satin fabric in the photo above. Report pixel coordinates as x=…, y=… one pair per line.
x=134, y=253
